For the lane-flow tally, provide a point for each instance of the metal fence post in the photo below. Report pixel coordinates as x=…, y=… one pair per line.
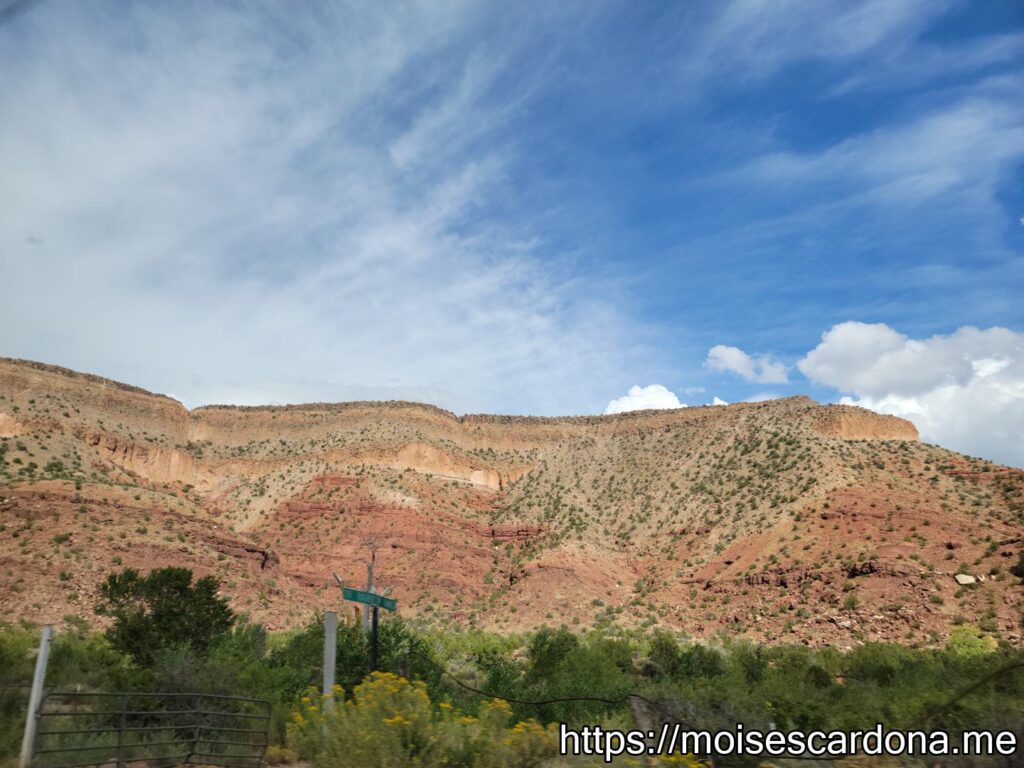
x=198, y=729
x=122, y=723
x=330, y=662
x=330, y=654
x=35, y=698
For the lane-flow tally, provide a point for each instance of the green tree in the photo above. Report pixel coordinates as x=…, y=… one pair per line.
x=665, y=653
x=547, y=650
x=164, y=610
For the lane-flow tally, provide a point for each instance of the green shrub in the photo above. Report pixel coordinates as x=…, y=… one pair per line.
x=968, y=640
x=390, y=721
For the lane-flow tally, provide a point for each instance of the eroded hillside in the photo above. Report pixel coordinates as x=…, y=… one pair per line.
x=821, y=523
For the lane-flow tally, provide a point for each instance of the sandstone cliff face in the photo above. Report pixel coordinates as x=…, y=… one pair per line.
x=478, y=515
x=92, y=398
x=162, y=465
x=426, y=458
x=852, y=423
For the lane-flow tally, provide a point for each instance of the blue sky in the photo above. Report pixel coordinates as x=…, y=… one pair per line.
x=524, y=207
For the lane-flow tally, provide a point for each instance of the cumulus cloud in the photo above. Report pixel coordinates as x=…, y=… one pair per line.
x=964, y=390
x=761, y=369
x=718, y=401
x=654, y=396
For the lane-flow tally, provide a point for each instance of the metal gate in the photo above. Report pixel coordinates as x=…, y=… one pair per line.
x=160, y=729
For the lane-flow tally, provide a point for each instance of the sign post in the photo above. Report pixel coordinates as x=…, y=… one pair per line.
x=374, y=641
x=369, y=598
x=375, y=602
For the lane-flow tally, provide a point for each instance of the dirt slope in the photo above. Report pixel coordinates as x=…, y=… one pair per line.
x=778, y=519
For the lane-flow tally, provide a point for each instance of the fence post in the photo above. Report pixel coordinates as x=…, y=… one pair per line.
x=198, y=729
x=35, y=698
x=330, y=655
x=122, y=723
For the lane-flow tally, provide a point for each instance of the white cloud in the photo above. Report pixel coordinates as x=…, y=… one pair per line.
x=654, y=396
x=955, y=149
x=914, y=63
x=718, y=401
x=964, y=391
x=761, y=369
x=754, y=39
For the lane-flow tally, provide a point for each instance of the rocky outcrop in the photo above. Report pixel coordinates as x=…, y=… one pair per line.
x=852, y=423
x=421, y=457
x=307, y=509
x=780, y=578
x=331, y=482
x=511, y=532
x=154, y=463
x=10, y=426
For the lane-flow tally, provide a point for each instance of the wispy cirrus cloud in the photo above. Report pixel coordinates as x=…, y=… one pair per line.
x=521, y=208
x=962, y=148
x=228, y=201
x=914, y=64
x=753, y=39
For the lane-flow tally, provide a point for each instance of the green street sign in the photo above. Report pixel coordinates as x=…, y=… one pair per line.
x=369, y=598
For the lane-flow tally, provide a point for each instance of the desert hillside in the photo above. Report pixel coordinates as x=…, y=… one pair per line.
x=782, y=519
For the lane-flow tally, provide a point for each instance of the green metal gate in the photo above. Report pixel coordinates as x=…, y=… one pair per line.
x=78, y=729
